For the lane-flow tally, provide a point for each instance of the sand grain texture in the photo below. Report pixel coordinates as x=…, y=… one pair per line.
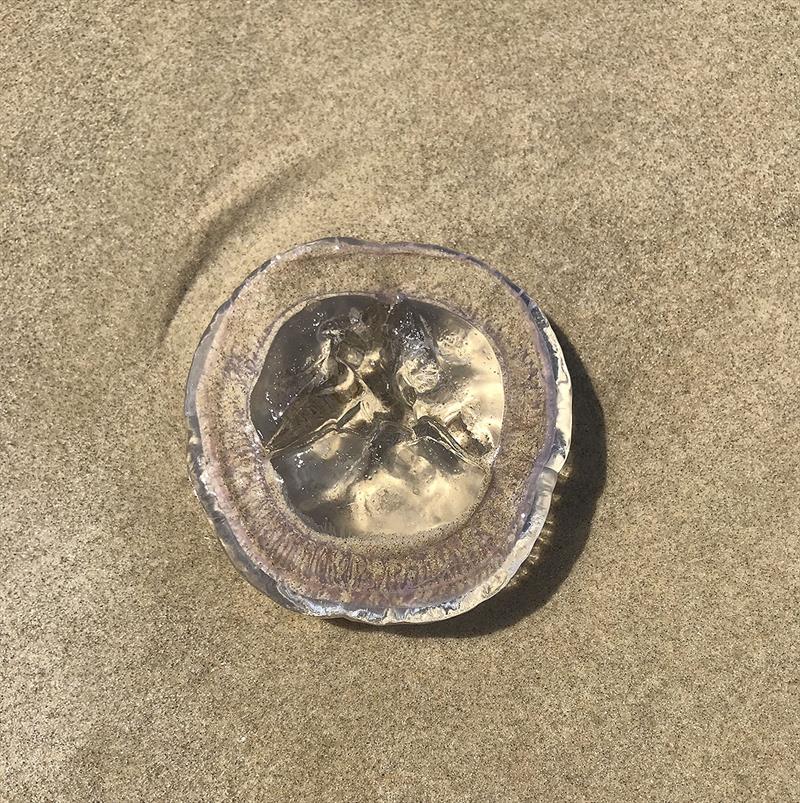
x=634, y=168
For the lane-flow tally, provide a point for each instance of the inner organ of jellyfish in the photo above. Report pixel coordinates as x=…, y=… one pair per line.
x=381, y=416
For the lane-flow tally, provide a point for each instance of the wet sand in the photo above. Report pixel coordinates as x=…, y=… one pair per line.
x=635, y=170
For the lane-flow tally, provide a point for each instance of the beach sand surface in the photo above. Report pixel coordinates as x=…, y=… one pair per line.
x=633, y=167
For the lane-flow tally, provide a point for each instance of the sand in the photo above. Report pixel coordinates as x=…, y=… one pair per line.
x=634, y=168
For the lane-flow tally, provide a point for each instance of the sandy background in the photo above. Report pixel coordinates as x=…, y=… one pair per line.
x=634, y=167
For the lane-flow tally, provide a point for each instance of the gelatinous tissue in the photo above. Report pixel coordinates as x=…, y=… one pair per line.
x=381, y=416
